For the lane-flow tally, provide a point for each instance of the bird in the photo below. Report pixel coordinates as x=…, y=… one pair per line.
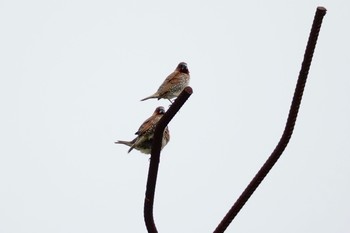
x=144, y=138
x=145, y=146
x=174, y=84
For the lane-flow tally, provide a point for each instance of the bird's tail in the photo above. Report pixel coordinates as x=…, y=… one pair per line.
x=123, y=142
x=151, y=97
x=132, y=147
x=128, y=143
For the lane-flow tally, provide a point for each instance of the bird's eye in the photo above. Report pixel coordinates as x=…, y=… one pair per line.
x=161, y=110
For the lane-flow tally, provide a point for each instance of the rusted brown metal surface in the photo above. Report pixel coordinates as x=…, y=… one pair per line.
x=293, y=113
x=155, y=154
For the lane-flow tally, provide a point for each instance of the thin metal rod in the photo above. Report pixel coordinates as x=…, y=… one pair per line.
x=155, y=154
x=293, y=112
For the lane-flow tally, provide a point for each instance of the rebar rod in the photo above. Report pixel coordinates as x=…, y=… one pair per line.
x=289, y=127
x=155, y=154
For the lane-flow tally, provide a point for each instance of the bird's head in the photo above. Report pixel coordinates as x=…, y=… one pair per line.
x=159, y=110
x=182, y=67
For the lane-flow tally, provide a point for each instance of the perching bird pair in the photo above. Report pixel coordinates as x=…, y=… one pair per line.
x=172, y=86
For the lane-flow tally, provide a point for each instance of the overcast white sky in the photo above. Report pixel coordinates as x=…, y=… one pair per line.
x=73, y=72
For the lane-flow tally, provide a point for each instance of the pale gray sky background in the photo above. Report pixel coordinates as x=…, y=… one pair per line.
x=73, y=72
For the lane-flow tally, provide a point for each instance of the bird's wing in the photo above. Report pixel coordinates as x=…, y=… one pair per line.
x=146, y=125
x=169, y=81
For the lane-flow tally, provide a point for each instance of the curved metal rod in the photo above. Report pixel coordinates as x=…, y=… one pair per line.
x=293, y=112
x=155, y=154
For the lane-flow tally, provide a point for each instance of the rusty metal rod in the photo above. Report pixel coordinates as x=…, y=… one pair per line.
x=155, y=154
x=293, y=112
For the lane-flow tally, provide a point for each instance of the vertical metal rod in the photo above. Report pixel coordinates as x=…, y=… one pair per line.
x=155, y=154
x=293, y=112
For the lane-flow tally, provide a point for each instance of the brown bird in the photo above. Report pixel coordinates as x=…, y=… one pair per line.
x=143, y=141
x=174, y=84
x=145, y=146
